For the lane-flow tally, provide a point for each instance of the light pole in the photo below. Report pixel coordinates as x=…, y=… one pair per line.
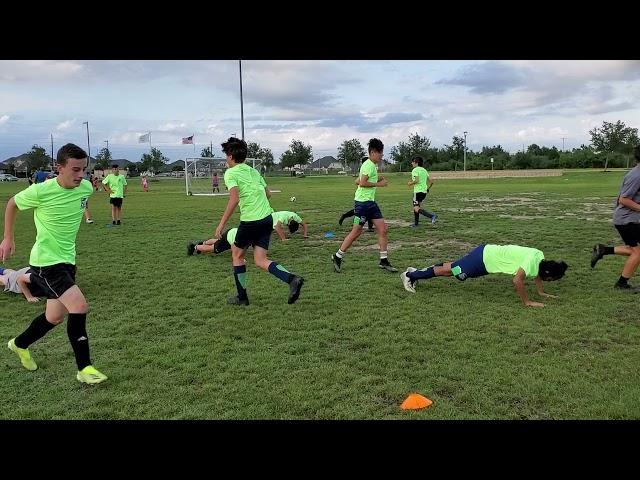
x=88, y=145
x=241, y=103
x=464, y=164
x=491, y=163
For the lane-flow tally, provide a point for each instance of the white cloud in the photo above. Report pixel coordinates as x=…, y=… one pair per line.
x=4, y=119
x=172, y=127
x=40, y=71
x=61, y=127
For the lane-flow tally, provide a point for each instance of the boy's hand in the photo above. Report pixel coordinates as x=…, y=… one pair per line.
x=534, y=304
x=32, y=299
x=7, y=248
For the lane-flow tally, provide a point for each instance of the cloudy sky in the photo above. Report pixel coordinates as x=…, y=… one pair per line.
x=321, y=103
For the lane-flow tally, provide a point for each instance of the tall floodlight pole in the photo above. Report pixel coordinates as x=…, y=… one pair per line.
x=464, y=165
x=88, y=144
x=241, y=102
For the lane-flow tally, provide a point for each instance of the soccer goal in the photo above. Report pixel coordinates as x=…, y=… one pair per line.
x=199, y=173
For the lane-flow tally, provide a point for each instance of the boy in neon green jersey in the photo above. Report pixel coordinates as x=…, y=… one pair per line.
x=419, y=179
x=365, y=207
x=522, y=262
x=248, y=189
x=116, y=186
x=58, y=209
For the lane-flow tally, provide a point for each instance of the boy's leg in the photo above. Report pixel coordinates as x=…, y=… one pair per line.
x=336, y=258
x=239, y=275
x=347, y=214
x=280, y=272
x=113, y=213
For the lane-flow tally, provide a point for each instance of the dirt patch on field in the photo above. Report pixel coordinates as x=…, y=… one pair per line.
x=425, y=243
x=397, y=222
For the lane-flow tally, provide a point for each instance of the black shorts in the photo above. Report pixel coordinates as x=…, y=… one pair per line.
x=116, y=201
x=364, y=211
x=256, y=233
x=52, y=281
x=222, y=245
x=630, y=233
x=471, y=265
x=418, y=197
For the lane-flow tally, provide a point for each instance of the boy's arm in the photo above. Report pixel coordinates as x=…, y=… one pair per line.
x=234, y=199
x=540, y=288
x=518, y=282
x=304, y=228
x=23, y=281
x=8, y=245
x=279, y=230
x=413, y=181
x=267, y=192
x=430, y=184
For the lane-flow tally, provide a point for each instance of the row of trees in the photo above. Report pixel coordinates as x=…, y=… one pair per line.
x=611, y=146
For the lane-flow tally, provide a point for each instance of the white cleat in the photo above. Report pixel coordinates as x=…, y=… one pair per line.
x=406, y=281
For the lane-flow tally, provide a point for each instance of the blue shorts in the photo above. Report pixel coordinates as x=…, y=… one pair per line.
x=470, y=266
x=363, y=211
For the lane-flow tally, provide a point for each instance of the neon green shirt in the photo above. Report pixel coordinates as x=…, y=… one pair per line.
x=420, y=174
x=366, y=194
x=254, y=204
x=231, y=235
x=57, y=215
x=510, y=258
x=285, y=217
x=116, y=185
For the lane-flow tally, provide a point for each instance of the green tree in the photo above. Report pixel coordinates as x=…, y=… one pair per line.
x=254, y=150
x=350, y=153
x=402, y=153
x=103, y=159
x=614, y=137
x=37, y=157
x=153, y=162
x=297, y=154
x=206, y=152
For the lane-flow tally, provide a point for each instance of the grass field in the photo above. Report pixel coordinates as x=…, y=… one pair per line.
x=356, y=343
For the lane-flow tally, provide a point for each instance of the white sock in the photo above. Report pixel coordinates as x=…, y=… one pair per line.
x=383, y=255
x=340, y=253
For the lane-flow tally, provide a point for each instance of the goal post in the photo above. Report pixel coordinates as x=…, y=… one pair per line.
x=199, y=173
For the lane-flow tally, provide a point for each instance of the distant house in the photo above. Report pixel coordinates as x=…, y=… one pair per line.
x=4, y=168
x=326, y=163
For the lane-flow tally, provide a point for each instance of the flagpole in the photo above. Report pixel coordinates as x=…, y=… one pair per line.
x=194, y=144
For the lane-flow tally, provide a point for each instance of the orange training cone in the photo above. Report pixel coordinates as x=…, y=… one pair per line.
x=415, y=401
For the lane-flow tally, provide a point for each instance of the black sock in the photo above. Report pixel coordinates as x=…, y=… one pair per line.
x=609, y=251
x=77, y=332
x=370, y=223
x=416, y=218
x=622, y=280
x=425, y=213
x=240, y=276
x=280, y=272
x=34, y=332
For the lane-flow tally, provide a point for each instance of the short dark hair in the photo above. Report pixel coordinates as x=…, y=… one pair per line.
x=115, y=165
x=636, y=153
x=375, y=144
x=236, y=148
x=550, y=270
x=418, y=160
x=293, y=226
x=68, y=151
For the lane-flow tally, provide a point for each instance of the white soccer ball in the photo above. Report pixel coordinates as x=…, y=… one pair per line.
x=292, y=199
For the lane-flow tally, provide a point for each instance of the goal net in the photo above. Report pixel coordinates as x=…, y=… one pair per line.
x=200, y=172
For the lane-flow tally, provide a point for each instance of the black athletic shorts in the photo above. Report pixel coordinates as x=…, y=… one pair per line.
x=256, y=233
x=471, y=265
x=52, y=281
x=364, y=211
x=222, y=245
x=418, y=197
x=630, y=233
x=116, y=201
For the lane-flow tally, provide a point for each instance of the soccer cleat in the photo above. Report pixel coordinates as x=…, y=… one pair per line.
x=90, y=375
x=235, y=300
x=118, y=222
x=433, y=219
x=387, y=266
x=294, y=289
x=191, y=248
x=89, y=220
x=409, y=286
x=337, y=263
x=414, y=226
x=23, y=354
x=598, y=253
x=626, y=287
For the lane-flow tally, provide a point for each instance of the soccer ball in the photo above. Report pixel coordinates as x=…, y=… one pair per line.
x=292, y=199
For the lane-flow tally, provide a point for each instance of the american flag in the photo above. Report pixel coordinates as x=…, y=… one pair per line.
x=187, y=140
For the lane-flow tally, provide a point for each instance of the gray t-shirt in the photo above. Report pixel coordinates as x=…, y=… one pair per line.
x=12, y=281
x=630, y=188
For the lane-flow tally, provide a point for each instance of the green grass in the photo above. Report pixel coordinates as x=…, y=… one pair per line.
x=355, y=344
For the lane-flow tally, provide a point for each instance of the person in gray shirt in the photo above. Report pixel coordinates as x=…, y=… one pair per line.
x=626, y=219
x=17, y=281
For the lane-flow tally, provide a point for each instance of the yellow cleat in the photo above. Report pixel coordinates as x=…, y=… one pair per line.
x=90, y=375
x=23, y=354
